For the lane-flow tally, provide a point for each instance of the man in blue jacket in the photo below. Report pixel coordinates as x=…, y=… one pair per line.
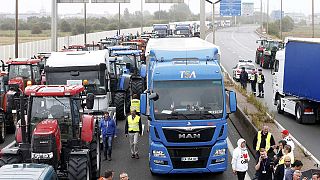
x=108, y=128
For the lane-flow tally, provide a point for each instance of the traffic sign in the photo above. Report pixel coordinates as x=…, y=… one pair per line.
x=230, y=8
x=247, y=9
x=164, y=1
x=110, y=1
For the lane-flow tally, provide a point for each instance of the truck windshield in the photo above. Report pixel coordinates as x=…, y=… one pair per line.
x=160, y=31
x=20, y=70
x=50, y=108
x=96, y=79
x=188, y=100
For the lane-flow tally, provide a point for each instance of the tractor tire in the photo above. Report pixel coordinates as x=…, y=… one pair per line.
x=120, y=104
x=79, y=168
x=95, y=154
x=10, y=159
x=137, y=87
x=2, y=128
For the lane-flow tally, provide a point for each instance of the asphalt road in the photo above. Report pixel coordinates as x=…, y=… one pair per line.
x=240, y=43
x=139, y=169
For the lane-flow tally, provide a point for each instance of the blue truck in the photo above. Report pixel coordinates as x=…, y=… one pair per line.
x=186, y=104
x=295, y=87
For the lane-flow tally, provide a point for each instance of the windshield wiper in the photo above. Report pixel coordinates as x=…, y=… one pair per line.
x=175, y=115
x=60, y=102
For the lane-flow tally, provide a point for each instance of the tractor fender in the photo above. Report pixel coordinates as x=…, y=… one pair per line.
x=14, y=151
x=124, y=82
x=143, y=71
x=88, y=128
x=9, y=97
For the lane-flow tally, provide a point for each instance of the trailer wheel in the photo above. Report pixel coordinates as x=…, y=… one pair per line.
x=279, y=108
x=120, y=104
x=79, y=168
x=137, y=86
x=299, y=113
x=10, y=159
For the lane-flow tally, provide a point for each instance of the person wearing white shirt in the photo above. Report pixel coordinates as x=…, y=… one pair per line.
x=240, y=159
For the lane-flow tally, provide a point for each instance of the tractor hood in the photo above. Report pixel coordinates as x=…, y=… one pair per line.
x=45, y=127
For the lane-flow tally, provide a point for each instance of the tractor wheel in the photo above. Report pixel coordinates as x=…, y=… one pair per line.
x=79, y=168
x=128, y=102
x=137, y=86
x=11, y=128
x=2, y=128
x=95, y=154
x=120, y=104
x=10, y=159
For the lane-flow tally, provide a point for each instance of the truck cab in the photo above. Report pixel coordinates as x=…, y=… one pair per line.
x=186, y=105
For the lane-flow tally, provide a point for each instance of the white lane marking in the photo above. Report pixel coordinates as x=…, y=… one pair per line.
x=9, y=145
x=231, y=149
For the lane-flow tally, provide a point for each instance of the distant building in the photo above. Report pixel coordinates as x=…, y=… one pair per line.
x=276, y=15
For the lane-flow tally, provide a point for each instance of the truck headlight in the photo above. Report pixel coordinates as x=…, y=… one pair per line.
x=220, y=152
x=158, y=153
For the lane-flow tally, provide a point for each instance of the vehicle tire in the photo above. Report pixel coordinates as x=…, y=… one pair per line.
x=279, y=108
x=120, y=104
x=299, y=113
x=2, y=129
x=95, y=155
x=128, y=102
x=79, y=168
x=137, y=86
x=10, y=159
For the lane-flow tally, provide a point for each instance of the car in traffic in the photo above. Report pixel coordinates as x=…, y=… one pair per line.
x=249, y=68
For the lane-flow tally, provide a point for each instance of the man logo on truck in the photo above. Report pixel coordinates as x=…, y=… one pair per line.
x=187, y=74
x=189, y=136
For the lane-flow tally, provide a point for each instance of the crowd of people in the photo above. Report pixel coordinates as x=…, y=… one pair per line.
x=254, y=79
x=273, y=161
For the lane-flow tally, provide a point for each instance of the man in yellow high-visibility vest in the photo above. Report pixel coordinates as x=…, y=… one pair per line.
x=135, y=104
x=264, y=139
x=133, y=128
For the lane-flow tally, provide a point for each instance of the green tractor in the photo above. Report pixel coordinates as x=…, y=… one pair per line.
x=269, y=53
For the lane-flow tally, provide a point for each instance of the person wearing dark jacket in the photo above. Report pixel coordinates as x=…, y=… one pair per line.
x=263, y=167
x=243, y=78
x=260, y=82
x=108, y=128
x=133, y=127
x=282, y=169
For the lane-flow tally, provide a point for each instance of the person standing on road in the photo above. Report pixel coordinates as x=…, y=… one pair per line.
x=253, y=81
x=260, y=82
x=285, y=135
x=297, y=165
x=108, y=175
x=240, y=159
x=287, y=152
x=264, y=139
x=243, y=78
x=279, y=151
x=135, y=104
x=124, y=176
x=263, y=166
x=282, y=169
x=315, y=176
x=108, y=128
x=133, y=127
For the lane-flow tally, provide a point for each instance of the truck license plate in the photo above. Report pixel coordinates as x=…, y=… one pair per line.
x=189, y=159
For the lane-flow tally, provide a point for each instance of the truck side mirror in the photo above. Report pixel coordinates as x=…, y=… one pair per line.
x=143, y=103
x=232, y=101
x=154, y=96
x=90, y=101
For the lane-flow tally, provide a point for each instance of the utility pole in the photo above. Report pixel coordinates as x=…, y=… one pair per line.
x=159, y=12
x=281, y=21
x=54, y=13
x=213, y=28
x=85, y=23
x=261, y=16
x=202, y=19
x=267, y=16
x=119, y=20
x=141, y=17
x=16, y=41
x=312, y=18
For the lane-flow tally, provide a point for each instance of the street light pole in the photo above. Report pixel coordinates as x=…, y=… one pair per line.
x=159, y=12
x=16, y=43
x=54, y=13
x=267, y=16
x=312, y=18
x=85, y=23
x=213, y=28
x=202, y=19
x=141, y=16
x=119, y=21
x=261, y=16
x=281, y=21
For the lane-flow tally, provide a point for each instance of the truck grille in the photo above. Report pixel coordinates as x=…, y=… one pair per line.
x=176, y=154
x=189, y=134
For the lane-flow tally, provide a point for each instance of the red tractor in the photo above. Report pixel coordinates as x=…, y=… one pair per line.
x=3, y=90
x=22, y=73
x=54, y=132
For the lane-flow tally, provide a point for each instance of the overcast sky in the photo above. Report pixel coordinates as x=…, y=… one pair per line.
x=300, y=6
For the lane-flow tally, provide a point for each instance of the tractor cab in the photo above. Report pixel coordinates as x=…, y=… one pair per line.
x=132, y=59
x=23, y=72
